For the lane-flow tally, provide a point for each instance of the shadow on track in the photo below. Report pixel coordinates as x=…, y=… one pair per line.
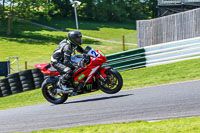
x=98, y=99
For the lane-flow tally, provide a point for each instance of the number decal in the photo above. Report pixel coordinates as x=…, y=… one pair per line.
x=95, y=53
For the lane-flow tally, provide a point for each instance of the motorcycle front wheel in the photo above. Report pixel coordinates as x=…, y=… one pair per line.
x=50, y=94
x=113, y=82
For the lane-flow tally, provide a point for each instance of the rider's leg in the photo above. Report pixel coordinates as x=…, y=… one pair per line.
x=66, y=76
x=65, y=72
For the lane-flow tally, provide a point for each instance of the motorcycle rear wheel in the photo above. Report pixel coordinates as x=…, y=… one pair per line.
x=50, y=94
x=113, y=84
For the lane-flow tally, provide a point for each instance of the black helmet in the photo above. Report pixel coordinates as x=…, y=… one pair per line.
x=75, y=37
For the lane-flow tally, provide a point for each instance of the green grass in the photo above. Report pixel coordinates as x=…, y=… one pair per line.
x=35, y=44
x=170, y=73
x=183, y=125
x=108, y=30
x=163, y=74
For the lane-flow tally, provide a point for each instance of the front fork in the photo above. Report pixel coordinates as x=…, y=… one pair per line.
x=101, y=74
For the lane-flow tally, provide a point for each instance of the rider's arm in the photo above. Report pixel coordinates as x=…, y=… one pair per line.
x=67, y=51
x=81, y=50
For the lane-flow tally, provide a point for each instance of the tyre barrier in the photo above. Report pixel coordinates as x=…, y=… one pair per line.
x=1, y=93
x=14, y=82
x=21, y=81
x=5, y=87
x=38, y=77
x=45, y=76
x=26, y=79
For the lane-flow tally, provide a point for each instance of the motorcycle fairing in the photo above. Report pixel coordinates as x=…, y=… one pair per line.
x=85, y=74
x=96, y=61
x=47, y=68
x=102, y=71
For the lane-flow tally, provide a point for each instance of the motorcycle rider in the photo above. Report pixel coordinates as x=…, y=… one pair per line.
x=60, y=59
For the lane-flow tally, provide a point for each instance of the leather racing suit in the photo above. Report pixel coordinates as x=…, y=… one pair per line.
x=61, y=59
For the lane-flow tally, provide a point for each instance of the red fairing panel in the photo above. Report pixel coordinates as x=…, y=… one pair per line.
x=41, y=66
x=102, y=71
x=90, y=70
x=47, y=68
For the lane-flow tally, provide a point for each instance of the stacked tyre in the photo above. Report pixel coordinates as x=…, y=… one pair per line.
x=26, y=80
x=5, y=87
x=46, y=76
x=15, y=84
x=0, y=92
x=38, y=77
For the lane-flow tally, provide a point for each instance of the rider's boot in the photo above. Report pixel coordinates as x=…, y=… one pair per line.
x=62, y=83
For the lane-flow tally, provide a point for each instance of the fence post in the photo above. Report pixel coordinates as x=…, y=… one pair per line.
x=26, y=65
x=123, y=42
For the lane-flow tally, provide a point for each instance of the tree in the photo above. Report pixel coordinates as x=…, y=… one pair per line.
x=2, y=8
x=87, y=10
x=24, y=9
x=152, y=7
x=63, y=7
x=117, y=10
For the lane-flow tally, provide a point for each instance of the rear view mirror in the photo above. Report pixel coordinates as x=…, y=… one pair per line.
x=87, y=49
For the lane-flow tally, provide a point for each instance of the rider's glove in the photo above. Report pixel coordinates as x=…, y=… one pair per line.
x=66, y=69
x=81, y=63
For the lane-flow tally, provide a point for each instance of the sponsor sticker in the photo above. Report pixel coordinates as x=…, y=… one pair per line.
x=82, y=76
x=101, y=52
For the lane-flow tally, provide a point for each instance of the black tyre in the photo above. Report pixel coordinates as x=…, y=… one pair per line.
x=38, y=86
x=13, y=75
x=50, y=94
x=23, y=78
x=36, y=70
x=13, y=80
x=1, y=92
x=39, y=79
x=5, y=88
x=13, y=84
x=16, y=88
x=27, y=82
x=46, y=76
x=6, y=93
x=28, y=89
x=27, y=86
x=24, y=73
x=35, y=75
x=15, y=91
x=113, y=83
x=4, y=82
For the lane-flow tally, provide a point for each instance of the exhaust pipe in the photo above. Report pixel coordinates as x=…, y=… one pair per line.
x=63, y=91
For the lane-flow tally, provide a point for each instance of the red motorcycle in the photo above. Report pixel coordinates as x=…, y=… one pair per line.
x=91, y=77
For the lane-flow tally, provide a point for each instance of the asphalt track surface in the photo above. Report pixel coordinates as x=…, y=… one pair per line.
x=149, y=104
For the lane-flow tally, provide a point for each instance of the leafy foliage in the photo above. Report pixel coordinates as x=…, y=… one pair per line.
x=23, y=9
x=93, y=10
x=117, y=10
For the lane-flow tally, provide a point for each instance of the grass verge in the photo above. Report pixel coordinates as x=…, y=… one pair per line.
x=107, y=31
x=183, y=125
x=35, y=44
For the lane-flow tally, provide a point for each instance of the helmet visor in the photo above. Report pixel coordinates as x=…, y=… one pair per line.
x=79, y=40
